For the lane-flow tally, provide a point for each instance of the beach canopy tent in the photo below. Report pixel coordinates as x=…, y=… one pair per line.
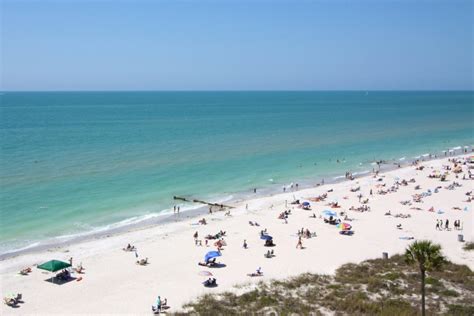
x=266, y=237
x=211, y=254
x=54, y=265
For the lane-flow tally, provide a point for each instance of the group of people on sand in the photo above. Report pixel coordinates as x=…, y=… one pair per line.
x=362, y=208
x=439, y=225
x=129, y=248
x=284, y=215
x=160, y=305
x=305, y=233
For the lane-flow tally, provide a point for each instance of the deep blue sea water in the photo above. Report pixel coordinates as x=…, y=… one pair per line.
x=75, y=162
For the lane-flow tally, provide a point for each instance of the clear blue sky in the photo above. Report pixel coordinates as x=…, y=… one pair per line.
x=236, y=45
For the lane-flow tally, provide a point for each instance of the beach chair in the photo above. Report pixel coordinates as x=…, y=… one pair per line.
x=142, y=262
x=210, y=283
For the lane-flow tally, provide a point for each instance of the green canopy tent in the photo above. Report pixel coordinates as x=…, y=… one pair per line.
x=53, y=266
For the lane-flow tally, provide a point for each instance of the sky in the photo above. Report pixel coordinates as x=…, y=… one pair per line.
x=236, y=45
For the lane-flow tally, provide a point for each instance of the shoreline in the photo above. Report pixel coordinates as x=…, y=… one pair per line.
x=165, y=217
x=113, y=275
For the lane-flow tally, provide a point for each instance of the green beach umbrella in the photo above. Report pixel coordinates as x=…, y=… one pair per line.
x=54, y=265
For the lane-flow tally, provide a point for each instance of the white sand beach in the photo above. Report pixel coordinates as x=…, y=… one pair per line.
x=113, y=283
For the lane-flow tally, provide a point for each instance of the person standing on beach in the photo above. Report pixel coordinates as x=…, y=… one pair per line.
x=437, y=224
x=70, y=261
x=245, y=244
x=255, y=190
x=246, y=207
x=447, y=225
x=178, y=210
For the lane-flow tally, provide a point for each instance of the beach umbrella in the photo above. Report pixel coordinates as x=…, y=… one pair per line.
x=266, y=237
x=344, y=226
x=205, y=273
x=306, y=204
x=211, y=254
x=329, y=213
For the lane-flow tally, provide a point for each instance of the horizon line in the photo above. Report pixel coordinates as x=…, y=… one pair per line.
x=248, y=90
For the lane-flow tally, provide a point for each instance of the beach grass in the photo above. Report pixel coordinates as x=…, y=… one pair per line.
x=469, y=246
x=373, y=287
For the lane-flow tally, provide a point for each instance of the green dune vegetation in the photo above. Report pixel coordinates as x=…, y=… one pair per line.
x=372, y=287
x=469, y=246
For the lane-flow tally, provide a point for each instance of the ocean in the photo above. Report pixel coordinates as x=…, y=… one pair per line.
x=77, y=163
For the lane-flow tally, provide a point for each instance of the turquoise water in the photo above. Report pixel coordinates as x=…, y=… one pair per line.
x=75, y=162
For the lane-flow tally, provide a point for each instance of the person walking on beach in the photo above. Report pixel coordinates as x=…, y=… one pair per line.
x=447, y=225
x=196, y=235
x=70, y=261
x=158, y=304
x=300, y=243
x=437, y=225
x=245, y=244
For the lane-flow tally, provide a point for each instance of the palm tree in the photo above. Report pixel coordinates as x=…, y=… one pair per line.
x=428, y=257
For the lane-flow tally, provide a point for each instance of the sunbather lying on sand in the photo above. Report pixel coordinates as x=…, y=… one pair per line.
x=25, y=271
x=257, y=273
x=13, y=301
x=269, y=254
x=211, y=282
x=142, y=262
x=129, y=248
x=209, y=263
x=79, y=269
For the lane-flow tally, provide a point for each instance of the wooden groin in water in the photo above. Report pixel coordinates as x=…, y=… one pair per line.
x=180, y=198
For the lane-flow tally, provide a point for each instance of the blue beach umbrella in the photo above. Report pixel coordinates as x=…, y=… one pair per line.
x=306, y=204
x=266, y=237
x=211, y=254
x=329, y=213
